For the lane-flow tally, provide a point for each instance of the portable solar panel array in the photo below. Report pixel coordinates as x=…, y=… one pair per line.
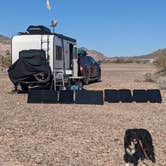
x=66, y=97
x=94, y=97
x=137, y=95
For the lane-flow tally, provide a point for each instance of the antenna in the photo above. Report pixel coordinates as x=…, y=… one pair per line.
x=54, y=23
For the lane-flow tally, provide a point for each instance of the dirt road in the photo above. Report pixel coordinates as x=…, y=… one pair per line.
x=78, y=135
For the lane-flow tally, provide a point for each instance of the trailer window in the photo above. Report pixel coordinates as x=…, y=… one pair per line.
x=58, y=53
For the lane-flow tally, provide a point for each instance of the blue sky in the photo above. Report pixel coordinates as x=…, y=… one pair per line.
x=114, y=27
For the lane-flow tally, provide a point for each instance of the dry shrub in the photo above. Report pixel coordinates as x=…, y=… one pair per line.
x=125, y=61
x=160, y=61
x=160, y=76
x=162, y=82
x=5, y=61
x=122, y=60
x=149, y=77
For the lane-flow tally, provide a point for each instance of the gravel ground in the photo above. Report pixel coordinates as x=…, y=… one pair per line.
x=78, y=135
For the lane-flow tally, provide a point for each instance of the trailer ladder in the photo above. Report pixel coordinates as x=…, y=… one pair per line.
x=59, y=83
x=46, y=48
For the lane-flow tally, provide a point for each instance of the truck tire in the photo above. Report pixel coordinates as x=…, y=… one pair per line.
x=99, y=77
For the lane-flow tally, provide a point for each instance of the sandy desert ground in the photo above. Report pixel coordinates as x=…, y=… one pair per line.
x=79, y=135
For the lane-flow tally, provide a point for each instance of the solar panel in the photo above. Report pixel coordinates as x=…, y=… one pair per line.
x=42, y=96
x=125, y=96
x=111, y=96
x=89, y=97
x=140, y=96
x=66, y=97
x=154, y=96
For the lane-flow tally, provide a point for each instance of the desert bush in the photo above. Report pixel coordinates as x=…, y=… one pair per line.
x=122, y=60
x=149, y=77
x=5, y=61
x=162, y=82
x=145, y=61
x=160, y=61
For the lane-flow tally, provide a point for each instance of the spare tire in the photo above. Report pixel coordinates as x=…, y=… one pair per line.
x=43, y=77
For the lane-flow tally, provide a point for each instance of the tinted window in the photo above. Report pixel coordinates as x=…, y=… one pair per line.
x=85, y=60
x=58, y=53
x=91, y=60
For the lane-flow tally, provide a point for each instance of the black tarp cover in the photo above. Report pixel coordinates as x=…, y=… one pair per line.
x=30, y=62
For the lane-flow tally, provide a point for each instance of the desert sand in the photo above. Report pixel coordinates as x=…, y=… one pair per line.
x=79, y=135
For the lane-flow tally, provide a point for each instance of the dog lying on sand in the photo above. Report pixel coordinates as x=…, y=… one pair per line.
x=138, y=146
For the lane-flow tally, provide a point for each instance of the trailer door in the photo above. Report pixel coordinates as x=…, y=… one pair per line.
x=58, y=54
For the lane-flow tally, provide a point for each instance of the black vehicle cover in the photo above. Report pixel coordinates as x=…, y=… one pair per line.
x=30, y=62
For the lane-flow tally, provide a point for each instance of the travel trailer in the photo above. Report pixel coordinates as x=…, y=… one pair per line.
x=60, y=54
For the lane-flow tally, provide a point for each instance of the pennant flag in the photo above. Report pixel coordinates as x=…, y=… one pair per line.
x=48, y=4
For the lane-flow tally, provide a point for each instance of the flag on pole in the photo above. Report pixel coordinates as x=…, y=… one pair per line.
x=48, y=4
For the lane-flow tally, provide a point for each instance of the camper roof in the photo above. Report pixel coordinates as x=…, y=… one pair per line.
x=42, y=30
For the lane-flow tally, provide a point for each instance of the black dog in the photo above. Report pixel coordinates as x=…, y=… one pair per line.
x=138, y=146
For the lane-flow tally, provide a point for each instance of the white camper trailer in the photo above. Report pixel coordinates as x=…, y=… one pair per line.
x=61, y=54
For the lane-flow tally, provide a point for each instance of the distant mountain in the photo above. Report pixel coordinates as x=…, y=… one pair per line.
x=4, y=39
x=5, y=45
x=152, y=55
x=98, y=56
x=148, y=56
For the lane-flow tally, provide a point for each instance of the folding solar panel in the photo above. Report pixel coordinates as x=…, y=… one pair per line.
x=42, y=96
x=89, y=97
x=154, y=96
x=66, y=97
x=111, y=96
x=125, y=96
x=140, y=96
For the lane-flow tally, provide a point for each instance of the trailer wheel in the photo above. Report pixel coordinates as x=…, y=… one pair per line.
x=24, y=87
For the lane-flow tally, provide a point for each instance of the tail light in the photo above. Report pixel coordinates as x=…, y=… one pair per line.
x=81, y=68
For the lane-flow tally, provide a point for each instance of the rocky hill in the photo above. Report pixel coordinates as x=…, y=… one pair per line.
x=98, y=56
x=152, y=55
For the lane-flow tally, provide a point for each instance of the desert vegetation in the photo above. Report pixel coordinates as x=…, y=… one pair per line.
x=5, y=60
x=124, y=61
x=160, y=61
x=159, y=76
